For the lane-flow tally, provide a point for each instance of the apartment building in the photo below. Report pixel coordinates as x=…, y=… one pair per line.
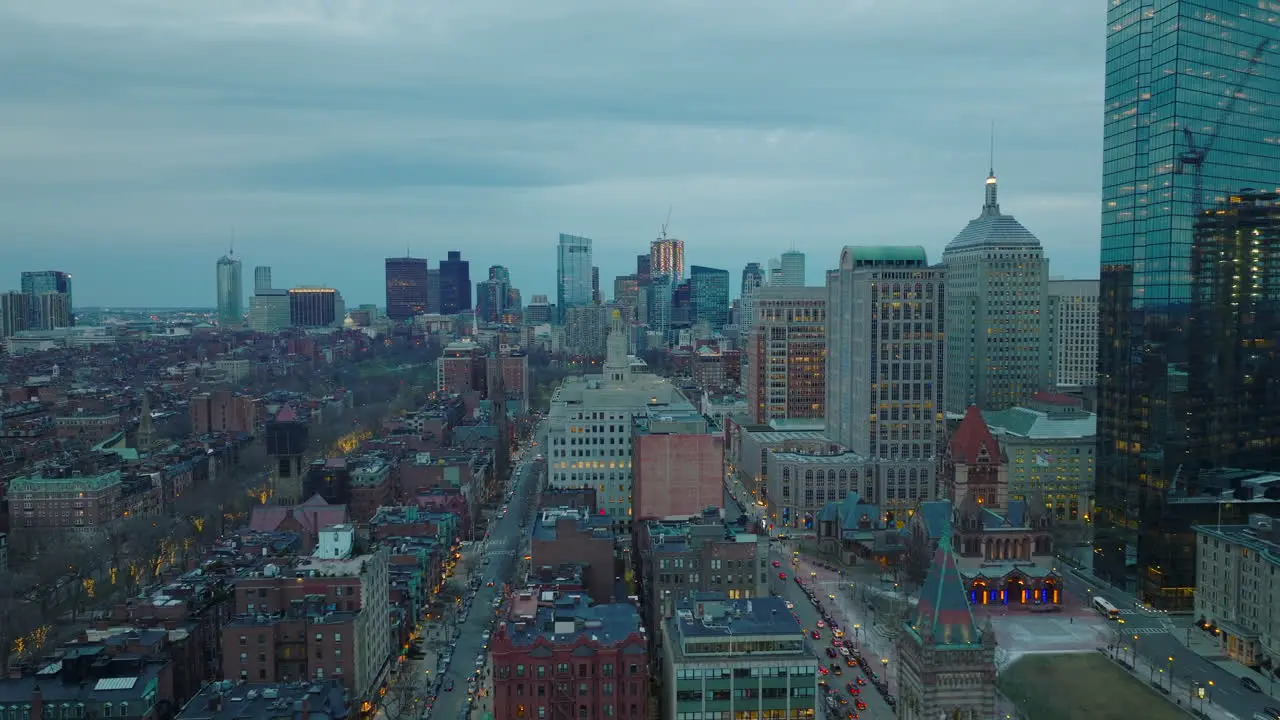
x=1237, y=596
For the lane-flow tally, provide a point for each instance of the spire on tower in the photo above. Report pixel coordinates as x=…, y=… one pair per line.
x=992, y=205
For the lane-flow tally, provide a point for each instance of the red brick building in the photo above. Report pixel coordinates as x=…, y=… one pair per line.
x=678, y=468
x=223, y=411
x=571, y=536
x=461, y=368
x=560, y=659
x=514, y=366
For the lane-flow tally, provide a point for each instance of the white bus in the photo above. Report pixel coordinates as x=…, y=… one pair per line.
x=1106, y=609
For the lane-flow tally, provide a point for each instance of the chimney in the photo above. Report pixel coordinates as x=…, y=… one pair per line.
x=37, y=703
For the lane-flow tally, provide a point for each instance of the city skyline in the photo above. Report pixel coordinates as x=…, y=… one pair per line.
x=157, y=184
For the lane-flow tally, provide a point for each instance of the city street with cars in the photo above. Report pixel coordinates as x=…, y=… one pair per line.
x=457, y=686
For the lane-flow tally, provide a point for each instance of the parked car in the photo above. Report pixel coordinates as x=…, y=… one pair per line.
x=1250, y=684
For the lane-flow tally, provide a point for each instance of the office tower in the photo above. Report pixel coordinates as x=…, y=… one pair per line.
x=885, y=373
x=316, y=307
x=1073, y=318
x=573, y=273
x=15, y=312
x=644, y=269
x=269, y=310
x=586, y=330
x=455, y=284
x=493, y=295
x=660, y=295
x=786, y=354
x=682, y=305
x=774, y=275
x=407, y=287
x=38, y=282
x=596, y=297
x=53, y=310
x=261, y=278
x=998, y=352
x=626, y=294
x=710, y=290
x=791, y=269
x=1189, y=124
x=230, y=291
x=538, y=311
x=666, y=257
x=753, y=278
x=433, y=291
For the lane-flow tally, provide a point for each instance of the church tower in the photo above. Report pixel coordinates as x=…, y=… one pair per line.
x=946, y=665
x=287, y=446
x=617, y=364
x=146, y=439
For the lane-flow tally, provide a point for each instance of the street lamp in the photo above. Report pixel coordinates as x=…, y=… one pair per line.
x=884, y=664
x=857, y=637
x=1171, y=674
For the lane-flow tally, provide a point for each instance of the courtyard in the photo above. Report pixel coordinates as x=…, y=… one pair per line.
x=1080, y=685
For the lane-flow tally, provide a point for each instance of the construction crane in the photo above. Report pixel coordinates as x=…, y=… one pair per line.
x=663, y=234
x=1194, y=156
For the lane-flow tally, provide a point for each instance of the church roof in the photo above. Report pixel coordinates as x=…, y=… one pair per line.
x=943, y=617
x=992, y=228
x=286, y=414
x=973, y=439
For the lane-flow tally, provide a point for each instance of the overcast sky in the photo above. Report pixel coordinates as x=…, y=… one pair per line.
x=139, y=137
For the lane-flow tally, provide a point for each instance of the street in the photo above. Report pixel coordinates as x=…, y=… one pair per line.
x=1156, y=644
x=503, y=551
x=877, y=709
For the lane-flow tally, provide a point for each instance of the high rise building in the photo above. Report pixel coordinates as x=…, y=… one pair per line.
x=596, y=297
x=573, y=273
x=1176, y=140
x=316, y=307
x=775, y=272
x=710, y=290
x=626, y=294
x=262, y=278
x=644, y=269
x=53, y=309
x=753, y=278
x=433, y=291
x=1073, y=317
x=15, y=312
x=493, y=296
x=660, y=298
x=538, y=311
x=885, y=383
x=230, y=291
x=666, y=257
x=587, y=408
x=455, y=284
x=998, y=350
x=791, y=269
x=39, y=282
x=786, y=355
x=407, y=284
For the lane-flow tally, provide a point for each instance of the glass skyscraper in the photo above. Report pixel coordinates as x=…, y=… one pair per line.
x=1191, y=131
x=573, y=273
x=710, y=290
x=230, y=291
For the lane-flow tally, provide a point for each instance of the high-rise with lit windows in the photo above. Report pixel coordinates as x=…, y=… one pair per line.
x=1192, y=111
x=787, y=354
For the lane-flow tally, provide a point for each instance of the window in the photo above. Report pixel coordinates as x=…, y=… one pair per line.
x=606, y=669
x=106, y=710
x=337, y=637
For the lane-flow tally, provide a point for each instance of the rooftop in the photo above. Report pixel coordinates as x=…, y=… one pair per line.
x=225, y=700
x=546, y=527
x=1262, y=535
x=1034, y=424
x=992, y=228
x=678, y=536
x=560, y=619
x=763, y=627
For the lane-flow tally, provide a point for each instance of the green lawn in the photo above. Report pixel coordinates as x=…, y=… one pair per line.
x=1081, y=685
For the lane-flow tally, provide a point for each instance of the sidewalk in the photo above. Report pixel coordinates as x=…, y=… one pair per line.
x=870, y=639
x=1209, y=647
x=1182, y=694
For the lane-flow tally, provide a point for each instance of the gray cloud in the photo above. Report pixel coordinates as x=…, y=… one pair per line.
x=354, y=128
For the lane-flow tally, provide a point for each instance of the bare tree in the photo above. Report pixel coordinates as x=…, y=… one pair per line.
x=18, y=615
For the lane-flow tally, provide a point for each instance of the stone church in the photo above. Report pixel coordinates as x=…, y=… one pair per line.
x=946, y=663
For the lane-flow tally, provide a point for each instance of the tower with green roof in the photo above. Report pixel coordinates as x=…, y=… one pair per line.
x=946, y=664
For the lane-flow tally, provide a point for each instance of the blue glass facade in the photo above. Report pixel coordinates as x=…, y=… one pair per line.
x=1192, y=119
x=710, y=290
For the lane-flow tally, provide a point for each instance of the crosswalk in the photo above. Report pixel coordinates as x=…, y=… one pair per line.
x=1147, y=631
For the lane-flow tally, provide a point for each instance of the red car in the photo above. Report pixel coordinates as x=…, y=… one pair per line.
x=782, y=576
x=860, y=704
x=816, y=635
x=862, y=680
x=777, y=564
